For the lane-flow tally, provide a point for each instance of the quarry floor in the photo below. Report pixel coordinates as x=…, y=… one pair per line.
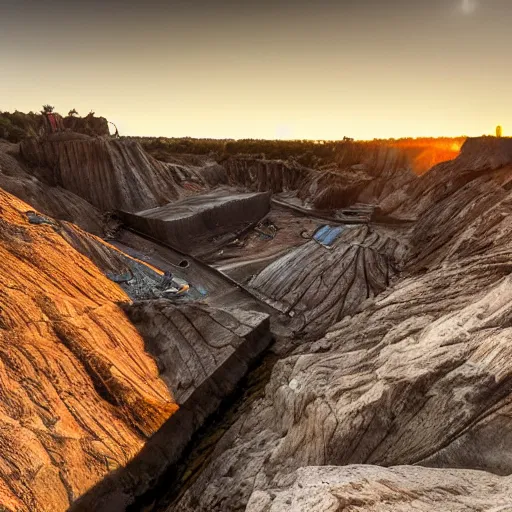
x=221, y=278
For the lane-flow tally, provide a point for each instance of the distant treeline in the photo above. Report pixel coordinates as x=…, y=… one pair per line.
x=17, y=126
x=305, y=152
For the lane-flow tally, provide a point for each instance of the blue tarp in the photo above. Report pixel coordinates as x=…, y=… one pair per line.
x=327, y=235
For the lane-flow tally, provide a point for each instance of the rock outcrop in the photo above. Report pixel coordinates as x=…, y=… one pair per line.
x=362, y=173
x=319, y=285
x=376, y=489
x=79, y=393
x=322, y=190
x=419, y=375
x=202, y=352
x=111, y=174
x=478, y=160
x=55, y=201
x=192, y=342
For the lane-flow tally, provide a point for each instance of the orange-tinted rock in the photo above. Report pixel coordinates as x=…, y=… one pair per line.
x=79, y=393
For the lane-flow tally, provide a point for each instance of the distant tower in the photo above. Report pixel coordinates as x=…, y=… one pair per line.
x=499, y=131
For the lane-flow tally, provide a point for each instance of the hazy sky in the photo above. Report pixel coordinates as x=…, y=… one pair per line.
x=281, y=68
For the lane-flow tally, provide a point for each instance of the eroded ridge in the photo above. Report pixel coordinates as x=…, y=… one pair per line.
x=420, y=375
x=78, y=389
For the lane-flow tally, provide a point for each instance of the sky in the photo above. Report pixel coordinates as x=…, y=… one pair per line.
x=318, y=69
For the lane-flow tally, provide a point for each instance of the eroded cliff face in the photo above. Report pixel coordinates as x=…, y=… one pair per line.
x=319, y=286
x=478, y=160
x=404, y=355
x=364, y=173
x=79, y=393
x=111, y=174
x=417, y=376
x=21, y=181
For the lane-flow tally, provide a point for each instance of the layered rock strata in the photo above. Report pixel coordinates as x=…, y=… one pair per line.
x=80, y=395
x=195, y=222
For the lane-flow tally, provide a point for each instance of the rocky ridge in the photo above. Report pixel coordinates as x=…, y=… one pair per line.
x=19, y=179
x=418, y=377
x=404, y=337
x=79, y=391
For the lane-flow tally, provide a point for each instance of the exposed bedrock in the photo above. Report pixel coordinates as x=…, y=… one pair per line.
x=320, y=189
x=192, y=223
x=364, y=173
x=422, y=376
x=112, y=174
x=465, y=222
x=87, y=391
x=119, y=174
x=201, y=352
x=55, y=201
x=463, y=206
x=419, y=375
x=479, y=157
x=80, y=395
x=320, y=285
x=191, y=342
x=377, y=489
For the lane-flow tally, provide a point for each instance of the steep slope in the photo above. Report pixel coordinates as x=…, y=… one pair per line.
x=54, y=201
x=112, y=174
x=320, y=285
x=363, y=173
x=202, y=352
x=81, y=386
x=119, y=174
x=478, y=158
x=79, y=393
x=468, y=199
x=421, y=375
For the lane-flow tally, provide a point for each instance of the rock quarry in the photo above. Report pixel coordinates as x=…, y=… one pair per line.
x=343, y=343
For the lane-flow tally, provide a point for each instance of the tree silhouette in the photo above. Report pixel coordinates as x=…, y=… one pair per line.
x=47, y=109
x=499, y=131
x=72, y=113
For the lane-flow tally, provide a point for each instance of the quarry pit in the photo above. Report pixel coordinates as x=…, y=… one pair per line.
x=310, y=332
